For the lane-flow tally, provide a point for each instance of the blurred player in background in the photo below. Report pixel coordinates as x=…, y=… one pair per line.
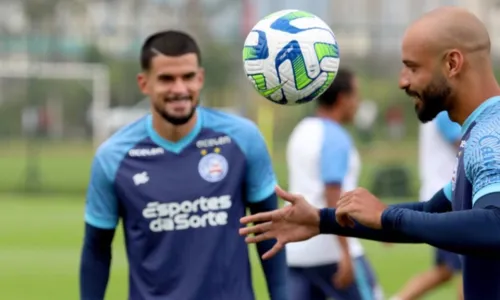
x=322, y=163
x=179, y=179
x=439, y=143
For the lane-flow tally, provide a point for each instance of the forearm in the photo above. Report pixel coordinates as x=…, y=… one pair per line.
x=95, y=263
x=470, y=232
x=274, y=268
x=438, y=203
x=344, y=246
x=329, y=225
x=332, y=194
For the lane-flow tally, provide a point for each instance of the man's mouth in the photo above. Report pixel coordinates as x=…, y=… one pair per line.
x=178, y=99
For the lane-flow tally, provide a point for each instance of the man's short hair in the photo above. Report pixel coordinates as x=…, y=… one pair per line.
x=342, y=84
x=169, y=43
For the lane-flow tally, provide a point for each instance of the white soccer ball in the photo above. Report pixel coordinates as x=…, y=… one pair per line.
x=291, y=57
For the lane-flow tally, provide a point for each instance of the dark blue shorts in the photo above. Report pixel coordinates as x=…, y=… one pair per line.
x=448, y=259
x=315, y=283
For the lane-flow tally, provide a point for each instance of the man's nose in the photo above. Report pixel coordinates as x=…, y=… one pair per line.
x=179, y=87
x=403, y=80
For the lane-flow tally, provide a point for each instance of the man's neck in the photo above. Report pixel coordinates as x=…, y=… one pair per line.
x=171, y=132
x=474, y=94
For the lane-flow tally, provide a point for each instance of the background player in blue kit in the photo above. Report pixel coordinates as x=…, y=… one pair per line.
x=447, y=67
x=179, y=179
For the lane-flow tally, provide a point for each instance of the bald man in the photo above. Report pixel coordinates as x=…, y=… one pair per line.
x=447, y=67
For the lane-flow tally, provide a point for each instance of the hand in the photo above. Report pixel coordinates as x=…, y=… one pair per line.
x=344, y=276
x=292, y=223
x=361, y=206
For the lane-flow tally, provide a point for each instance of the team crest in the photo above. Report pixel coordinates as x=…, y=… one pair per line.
x=213, y=167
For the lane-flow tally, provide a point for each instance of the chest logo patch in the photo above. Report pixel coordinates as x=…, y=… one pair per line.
x=213, y=167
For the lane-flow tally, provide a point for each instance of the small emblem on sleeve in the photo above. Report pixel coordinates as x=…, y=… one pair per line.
x=213, y=167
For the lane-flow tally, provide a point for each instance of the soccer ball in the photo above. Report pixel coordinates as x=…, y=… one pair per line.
x=291, y=57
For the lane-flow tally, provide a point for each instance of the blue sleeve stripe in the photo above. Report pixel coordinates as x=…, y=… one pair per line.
x=447, y=191
x=100, y=222
x=263, y=193
x=489, y=189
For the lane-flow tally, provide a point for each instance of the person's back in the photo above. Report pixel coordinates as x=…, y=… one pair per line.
x=322, y=163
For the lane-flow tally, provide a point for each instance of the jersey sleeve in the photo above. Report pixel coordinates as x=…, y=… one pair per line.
x=450, y=130
x=260, y=177
x=482, y=162
x=101, y=208
x=334, y=157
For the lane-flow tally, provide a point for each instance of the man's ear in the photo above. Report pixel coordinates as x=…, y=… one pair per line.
x=454, y=61
x=142, y=82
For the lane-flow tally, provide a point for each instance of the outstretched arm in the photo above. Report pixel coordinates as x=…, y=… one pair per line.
x=438, y=203
x=471, y=232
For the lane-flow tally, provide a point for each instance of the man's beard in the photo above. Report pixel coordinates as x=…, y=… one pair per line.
x=175, y=120
x=433, y=99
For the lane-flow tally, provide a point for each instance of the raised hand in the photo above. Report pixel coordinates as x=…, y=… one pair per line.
x=292, y=223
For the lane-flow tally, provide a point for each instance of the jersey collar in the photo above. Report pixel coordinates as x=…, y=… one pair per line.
x=470, y=119
x=175, y=147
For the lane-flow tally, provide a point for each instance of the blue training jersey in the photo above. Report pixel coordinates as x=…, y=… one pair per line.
x=476, y=175
x=180, y=204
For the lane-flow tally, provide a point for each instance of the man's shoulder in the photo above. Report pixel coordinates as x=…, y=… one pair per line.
x=486, y=129
x=120, y=142
x=233, y=125
x=336, y=132
x=482, y=147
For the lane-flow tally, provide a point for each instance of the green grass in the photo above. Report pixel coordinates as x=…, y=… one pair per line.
x=41, y=238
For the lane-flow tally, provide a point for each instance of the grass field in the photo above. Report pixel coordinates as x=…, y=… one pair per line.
x=41, y=234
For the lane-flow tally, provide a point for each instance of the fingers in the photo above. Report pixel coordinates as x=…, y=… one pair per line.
x=263, y=227
x=345, y=198
x=285, y=195
x=260, y=217
x=341, y=220
x=274, y=250
x=342, y=215
x=259, y=238
x=344, y=220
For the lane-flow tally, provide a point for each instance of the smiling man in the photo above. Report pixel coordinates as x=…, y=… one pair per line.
x=179, y=179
